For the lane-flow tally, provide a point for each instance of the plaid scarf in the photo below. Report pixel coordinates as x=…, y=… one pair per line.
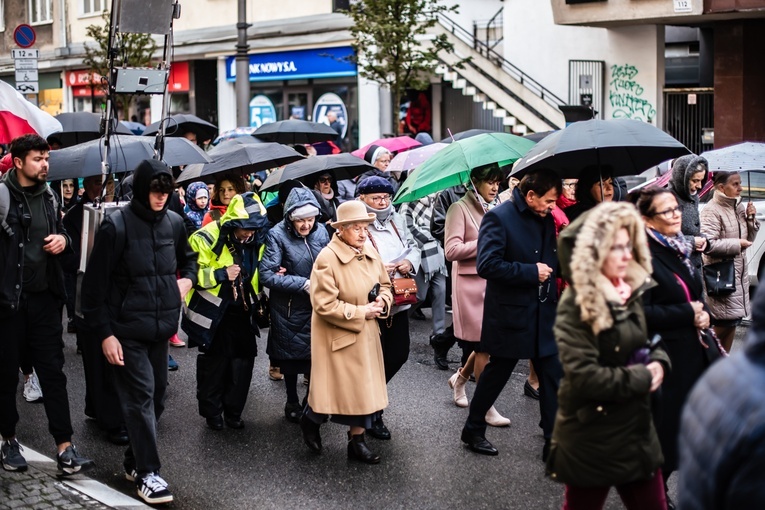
x=679, y=244
x=418, y=215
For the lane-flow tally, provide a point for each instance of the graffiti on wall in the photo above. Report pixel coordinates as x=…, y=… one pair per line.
x=626, y=95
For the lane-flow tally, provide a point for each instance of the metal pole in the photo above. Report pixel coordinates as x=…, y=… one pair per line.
x=242, y=68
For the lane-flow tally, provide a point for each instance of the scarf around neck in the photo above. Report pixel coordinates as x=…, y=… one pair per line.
x=678, y=244
x=382, y=214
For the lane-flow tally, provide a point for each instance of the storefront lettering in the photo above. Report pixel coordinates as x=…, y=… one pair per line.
x=273, y=67
x=625, y=95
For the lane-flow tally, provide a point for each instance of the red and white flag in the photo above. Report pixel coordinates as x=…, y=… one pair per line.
x=19, y=117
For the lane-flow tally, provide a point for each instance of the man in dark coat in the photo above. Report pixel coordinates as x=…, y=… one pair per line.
x=722, y=438
x=101, y=401
x=517, y=255
x=31, y=296
x=132, y=302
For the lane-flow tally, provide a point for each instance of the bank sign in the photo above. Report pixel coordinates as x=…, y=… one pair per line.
x=299, y=64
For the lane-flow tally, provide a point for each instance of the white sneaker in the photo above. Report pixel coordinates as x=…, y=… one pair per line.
x=153, y=489
x=32, y=391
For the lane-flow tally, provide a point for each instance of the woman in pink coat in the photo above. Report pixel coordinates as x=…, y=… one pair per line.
x=461, y=246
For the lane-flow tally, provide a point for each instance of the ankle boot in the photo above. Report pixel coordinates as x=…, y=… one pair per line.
x=495, y=419
x=311, y=433
x=457, y=383
x=358, y=450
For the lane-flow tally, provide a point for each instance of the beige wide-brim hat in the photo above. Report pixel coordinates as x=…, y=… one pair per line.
x=353, y=211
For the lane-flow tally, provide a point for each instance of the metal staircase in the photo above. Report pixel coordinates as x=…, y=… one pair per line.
x=522, y=102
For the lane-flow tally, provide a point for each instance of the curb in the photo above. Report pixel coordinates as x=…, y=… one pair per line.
x=84, y=485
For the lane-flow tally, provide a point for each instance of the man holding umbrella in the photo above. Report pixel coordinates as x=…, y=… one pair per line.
x=517, y=255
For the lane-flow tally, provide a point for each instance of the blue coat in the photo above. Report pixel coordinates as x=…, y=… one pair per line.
x=722, y=434
x=518, y=313
x=289, y=337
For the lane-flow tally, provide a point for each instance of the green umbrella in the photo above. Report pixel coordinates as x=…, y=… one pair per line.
x=451, y=166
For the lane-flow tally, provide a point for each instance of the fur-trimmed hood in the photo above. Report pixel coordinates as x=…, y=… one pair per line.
x=595, y=233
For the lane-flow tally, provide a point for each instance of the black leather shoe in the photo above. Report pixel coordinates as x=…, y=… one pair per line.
x=418, y=315
x=234, y=422
x=478, y=444
x=441, y=346
x=358, y=450
x=546, y=450
x=379, y=430
x=118, y=436
x=293, y=411
x=311, y=433
x=215, y=423
x=529, y=390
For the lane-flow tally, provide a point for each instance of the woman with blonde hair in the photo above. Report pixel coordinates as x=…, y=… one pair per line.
x=604, y=435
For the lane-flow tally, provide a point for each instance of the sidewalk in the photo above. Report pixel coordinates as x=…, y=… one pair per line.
x=39, y=488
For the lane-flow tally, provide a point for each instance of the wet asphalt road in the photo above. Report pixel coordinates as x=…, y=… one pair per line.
x=266, y=465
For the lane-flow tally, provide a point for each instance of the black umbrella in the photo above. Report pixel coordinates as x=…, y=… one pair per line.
x=125, y=153
x=466, y=134
x=295, y=131
x=178, y=124
x=80, y=127
x=241, y=157
x=623, y=146
x=344, y=166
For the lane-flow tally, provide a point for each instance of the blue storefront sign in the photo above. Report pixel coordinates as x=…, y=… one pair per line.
x=299, y=64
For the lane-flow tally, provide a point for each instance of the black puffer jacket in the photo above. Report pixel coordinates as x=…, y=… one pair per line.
x=133, y=292
x=290, y=335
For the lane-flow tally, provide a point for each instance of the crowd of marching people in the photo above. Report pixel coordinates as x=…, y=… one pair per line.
x=601, y=291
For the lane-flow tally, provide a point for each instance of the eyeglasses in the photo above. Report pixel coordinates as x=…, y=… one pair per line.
x=325, y=180
x=569, y=185
x=669, y=213
x=383, y=161
x=380, y=199
x=624, y=248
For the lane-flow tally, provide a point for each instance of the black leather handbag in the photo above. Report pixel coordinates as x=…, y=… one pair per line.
x=720, y=278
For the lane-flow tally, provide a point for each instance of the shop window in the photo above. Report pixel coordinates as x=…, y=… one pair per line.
x=40, y=11
x=93, y=6
x=338, y=5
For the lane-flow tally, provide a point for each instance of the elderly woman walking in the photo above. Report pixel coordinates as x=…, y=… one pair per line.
x=350, y=289
x=292, y=246
x=389, y=237
x=603, y=434
x=730, y=228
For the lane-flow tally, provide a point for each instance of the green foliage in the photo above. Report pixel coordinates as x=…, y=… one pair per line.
x=388, y=40
x=133, y=50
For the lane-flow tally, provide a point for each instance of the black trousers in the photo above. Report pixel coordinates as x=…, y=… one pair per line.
x=395, y=343
x=35, y=329
x=102, y=402
x=141, y=385
x=495, y=377
x=224, y=372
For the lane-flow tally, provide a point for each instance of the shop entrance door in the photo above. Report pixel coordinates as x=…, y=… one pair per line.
x=298, y=103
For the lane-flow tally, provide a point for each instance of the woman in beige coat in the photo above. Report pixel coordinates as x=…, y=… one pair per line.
x=347, y=372
x=730, y=228
x=463, y=221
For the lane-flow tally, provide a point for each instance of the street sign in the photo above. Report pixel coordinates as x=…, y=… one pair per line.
x=25, y=63
x=25, y=53
x=28, y=87
x=27, y=75
x=24, y=36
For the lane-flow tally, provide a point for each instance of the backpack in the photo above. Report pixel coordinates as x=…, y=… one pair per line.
x=5, y=205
